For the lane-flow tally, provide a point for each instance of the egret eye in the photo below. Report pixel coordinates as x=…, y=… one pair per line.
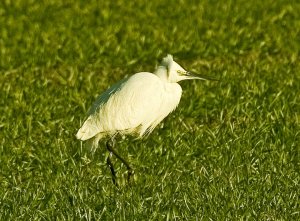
x=180, y=72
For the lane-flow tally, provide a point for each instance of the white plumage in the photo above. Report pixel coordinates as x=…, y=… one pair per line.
x=137, y=104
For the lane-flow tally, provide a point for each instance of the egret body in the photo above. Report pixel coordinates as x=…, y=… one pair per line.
x=135, y=105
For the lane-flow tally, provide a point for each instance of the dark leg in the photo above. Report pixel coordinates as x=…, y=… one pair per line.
x=112, y=170
x=109, y=146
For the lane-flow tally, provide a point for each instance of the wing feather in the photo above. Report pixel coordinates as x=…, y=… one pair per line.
x=134, y=104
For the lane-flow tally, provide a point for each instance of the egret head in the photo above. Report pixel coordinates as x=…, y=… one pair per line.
x=173, y=72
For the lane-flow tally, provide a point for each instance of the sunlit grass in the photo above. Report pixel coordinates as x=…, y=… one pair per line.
x=229, y=152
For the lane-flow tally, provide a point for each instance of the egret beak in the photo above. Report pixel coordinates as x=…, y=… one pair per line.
x=192, y=75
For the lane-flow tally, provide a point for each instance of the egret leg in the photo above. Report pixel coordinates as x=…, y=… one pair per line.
x=109, y=146
x=112, y=170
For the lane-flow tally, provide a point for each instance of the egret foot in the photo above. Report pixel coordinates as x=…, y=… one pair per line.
x=130, y=172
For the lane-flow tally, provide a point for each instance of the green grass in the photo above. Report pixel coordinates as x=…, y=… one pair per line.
x=229, y=152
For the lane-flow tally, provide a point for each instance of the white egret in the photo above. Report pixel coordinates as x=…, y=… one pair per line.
x=135, y=105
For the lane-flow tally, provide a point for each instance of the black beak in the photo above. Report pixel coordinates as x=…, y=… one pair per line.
x=200, y=76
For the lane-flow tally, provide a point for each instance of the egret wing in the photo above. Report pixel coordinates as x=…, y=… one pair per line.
x=91, y=125
x=105, y=96
x=133, y=105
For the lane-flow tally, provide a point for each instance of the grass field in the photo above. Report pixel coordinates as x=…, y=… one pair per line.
x=229, y=152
